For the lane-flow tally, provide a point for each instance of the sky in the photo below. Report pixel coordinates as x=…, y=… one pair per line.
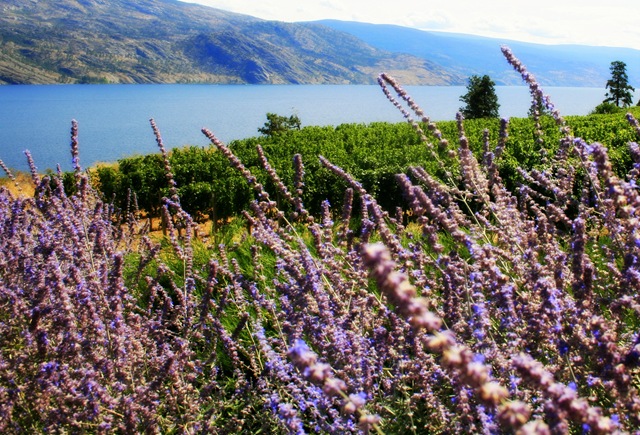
x=611, y=23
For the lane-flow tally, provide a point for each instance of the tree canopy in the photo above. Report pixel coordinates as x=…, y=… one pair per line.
x=277, y=124
x=481, y=99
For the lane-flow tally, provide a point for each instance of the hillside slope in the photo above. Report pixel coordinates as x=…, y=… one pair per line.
x=167, y=41
x=554, y=65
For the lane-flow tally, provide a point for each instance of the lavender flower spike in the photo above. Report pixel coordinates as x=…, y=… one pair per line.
x=75, y=159
x=319, y=373
x=165, y=158
x=563, y=396
x=456, y=356
x=398, y=289
x=534, y=87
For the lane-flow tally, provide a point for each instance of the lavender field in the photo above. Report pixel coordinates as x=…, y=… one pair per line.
x=474, y=309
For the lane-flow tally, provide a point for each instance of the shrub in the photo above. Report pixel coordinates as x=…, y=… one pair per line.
x=605, y=108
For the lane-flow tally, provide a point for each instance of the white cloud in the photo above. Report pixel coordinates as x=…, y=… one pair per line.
x=586, y=22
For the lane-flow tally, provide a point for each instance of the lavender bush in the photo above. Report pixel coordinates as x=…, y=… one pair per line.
x=475, y=309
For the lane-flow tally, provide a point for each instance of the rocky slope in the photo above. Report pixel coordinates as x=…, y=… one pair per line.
x=167, y=41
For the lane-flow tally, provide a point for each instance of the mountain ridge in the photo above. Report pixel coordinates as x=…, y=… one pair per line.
x=553, y=65
x=167, y=41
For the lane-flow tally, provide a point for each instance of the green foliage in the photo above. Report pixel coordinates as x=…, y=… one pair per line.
x=110, y=181
x=620, y=91
x=143, y=176
x=199, y=198
x=613, y=130
x=481, y=99
x=606, y=108
x=207, y=186
x=374, y=153
x=277, y=124
x=195, y=171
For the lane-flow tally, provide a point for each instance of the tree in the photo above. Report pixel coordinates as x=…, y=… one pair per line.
x=620, y=91
x=481, y=99
x=277, y=124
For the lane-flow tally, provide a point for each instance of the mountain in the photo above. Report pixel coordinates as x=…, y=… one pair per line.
x=167, y=41
x=553, y=65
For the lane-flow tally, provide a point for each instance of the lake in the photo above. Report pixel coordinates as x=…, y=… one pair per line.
x=114, y=119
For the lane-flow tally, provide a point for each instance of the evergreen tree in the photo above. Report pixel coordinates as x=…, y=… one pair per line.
x=620, y=91
x=481, y=99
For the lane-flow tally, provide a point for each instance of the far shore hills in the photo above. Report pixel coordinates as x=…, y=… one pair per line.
x=166, y=41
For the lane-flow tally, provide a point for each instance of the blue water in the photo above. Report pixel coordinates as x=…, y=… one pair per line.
x=114, y=119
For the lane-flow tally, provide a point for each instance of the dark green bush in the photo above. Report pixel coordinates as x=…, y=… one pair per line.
x=606, y=108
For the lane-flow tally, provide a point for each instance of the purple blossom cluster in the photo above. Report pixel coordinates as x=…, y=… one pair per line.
x=475, y=309
x=78, y=352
